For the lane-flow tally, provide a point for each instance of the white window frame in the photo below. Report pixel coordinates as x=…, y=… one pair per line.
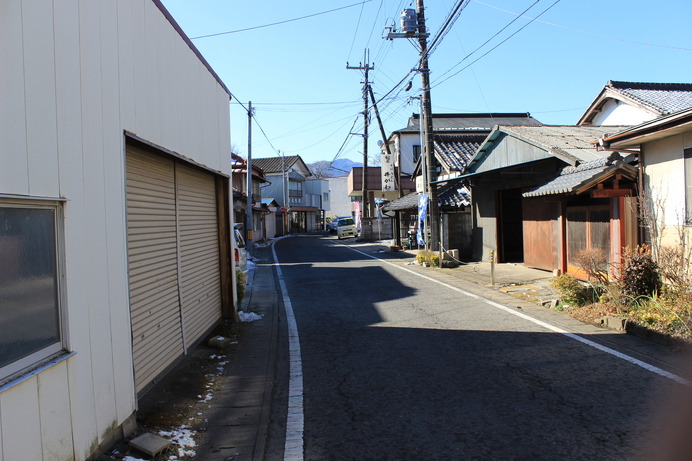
x=16, y=369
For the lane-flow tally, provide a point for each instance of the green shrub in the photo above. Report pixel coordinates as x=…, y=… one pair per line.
x=639, y=276
x=571, y=290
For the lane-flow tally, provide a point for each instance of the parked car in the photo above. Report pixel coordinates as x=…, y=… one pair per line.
x=239, y=252
x=346, y=228
x=332, y=224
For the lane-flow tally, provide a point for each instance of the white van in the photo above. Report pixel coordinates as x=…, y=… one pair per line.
x=346, y=228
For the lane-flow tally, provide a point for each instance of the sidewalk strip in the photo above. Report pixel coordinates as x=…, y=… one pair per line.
x=293, y=449
x=548, y=326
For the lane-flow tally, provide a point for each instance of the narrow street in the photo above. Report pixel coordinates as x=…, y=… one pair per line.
x=398, y=365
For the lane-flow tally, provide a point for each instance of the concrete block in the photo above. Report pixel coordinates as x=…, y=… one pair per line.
x=149, y=443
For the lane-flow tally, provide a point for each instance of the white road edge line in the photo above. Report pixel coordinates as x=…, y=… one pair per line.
x=548, y=326
x=295, y=421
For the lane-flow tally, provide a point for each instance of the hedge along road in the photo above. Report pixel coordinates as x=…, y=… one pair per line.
x=398, y=365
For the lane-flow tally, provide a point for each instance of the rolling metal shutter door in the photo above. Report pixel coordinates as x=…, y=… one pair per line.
x=157, y=338
x=200, y=278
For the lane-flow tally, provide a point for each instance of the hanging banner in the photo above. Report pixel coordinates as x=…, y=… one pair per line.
x=387, y=172
x=356, y=212
x=422, y=214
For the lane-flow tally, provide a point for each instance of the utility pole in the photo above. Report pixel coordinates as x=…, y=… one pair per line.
x=365, y=212
x=248, y=205
x=431, y=164
x=408, y=30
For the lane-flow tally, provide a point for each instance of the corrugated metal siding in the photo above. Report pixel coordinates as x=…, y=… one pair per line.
x=173, y=260
x=199, y=252
x=152, y=265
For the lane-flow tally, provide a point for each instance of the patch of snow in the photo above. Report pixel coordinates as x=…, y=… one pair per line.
x=249, y=316
x=183, y=438
x=132, y=458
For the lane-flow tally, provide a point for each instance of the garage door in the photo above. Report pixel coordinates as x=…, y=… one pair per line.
x=200, y=282
x=173, y=260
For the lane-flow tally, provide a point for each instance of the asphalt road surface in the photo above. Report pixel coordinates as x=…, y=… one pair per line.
x=398, y=367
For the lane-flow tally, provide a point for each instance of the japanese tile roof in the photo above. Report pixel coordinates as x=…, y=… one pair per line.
x=471, y=122
x=574, y=179
x=574, y=144
x=407, y=202
x=455, y=151
x=454, y=195
x=275, y=164
x=664, y=98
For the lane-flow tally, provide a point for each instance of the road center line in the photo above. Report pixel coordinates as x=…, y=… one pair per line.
x=295, y=421
x=548, y=326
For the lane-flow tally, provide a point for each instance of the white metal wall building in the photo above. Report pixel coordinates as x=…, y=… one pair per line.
x=115, y=154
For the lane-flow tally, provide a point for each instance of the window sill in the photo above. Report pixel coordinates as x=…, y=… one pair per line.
x=20, y=377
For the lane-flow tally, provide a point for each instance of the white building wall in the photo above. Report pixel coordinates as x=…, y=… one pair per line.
x=75, y=75
x=405, y=146
x=664, y=173
x=617, y=113
x=339, y=201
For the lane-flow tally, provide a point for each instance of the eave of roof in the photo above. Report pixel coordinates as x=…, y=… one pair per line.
x=579, y=179
x=666, y=125
x=571, y=144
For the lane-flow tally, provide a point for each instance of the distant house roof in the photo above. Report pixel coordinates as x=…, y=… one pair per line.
x=407, y=202
x=455, y=151
x=270, y=202
x=454, y=195
x=578, y=179
x=571, y=144
x=273, y=165
x=470, y=122
x=657, y=98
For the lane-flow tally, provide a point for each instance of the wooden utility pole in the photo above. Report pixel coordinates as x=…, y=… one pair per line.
x=248, y=204
x=415, y=28
x=431, y=163
x=365, y=211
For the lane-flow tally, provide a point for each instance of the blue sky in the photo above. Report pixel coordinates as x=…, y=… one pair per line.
x=306, y=100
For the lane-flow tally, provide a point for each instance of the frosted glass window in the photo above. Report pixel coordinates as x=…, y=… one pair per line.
x=29, y=306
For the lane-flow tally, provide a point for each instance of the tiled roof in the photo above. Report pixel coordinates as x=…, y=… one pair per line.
x=575, y=143
x=573, y=178
x=471, y=122
x=275, y=164
x=664, y=98
x=407, y=202
x=455, y=151
x=454, y=195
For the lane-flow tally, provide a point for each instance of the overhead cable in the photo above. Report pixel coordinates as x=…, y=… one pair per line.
x=493, y=48
x=280, y=22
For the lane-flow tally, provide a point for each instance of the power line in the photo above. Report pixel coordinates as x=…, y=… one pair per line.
x=280, y=22
x=447, y=25
x=608, y=37
x=496, y=46
x=488, y=40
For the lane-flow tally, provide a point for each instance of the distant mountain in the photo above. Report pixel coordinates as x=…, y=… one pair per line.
x=340, y=167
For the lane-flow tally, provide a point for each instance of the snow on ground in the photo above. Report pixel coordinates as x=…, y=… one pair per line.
x=183, y=439
x=249, y=316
